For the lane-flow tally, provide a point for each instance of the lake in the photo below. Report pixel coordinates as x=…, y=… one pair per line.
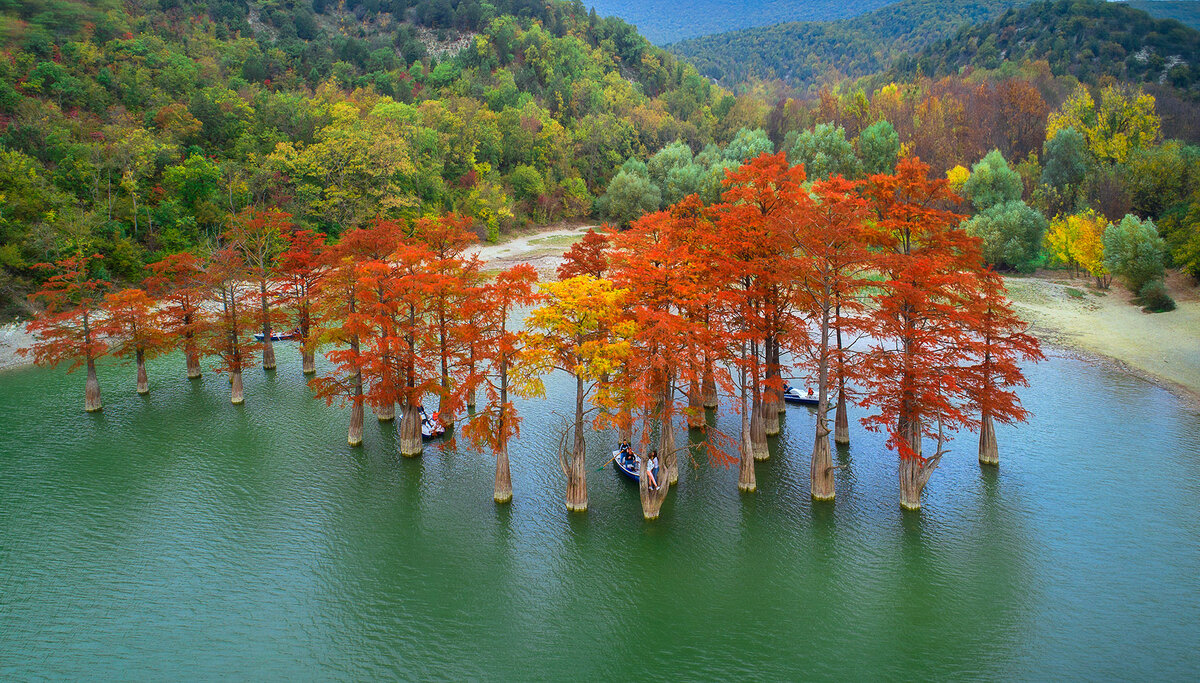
x=178, y=536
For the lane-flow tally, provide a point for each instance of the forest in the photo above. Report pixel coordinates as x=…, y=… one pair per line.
x=809, y=54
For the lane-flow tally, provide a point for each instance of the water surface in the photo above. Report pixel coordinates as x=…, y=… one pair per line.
x=177, y=536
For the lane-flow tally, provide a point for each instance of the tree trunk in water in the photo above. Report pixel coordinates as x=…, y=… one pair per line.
x=503, y=490
x=235, y=383
x=652, y=500
x=308, y=361
x=758, y=431
x=410, y=431
x=772, y=391
x=268, y=352
x=386, y=412
x=746, y=479
x=841, y=424
x=666, y=451
x=695, y=411
x=575, y=468
x=709, y=387
x=913, y=473
x=355, y=436
x=143, y=382
x=444, y=415
x=989, y=454
x=193, y=358
x=821, y=468
x=91, y=389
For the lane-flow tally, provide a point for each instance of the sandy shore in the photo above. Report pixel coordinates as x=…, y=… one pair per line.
x=13, y=337
x=1162, y=347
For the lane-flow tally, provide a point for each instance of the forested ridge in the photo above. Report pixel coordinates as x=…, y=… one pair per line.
x=809, y=54
x=135, y=129
x=1088, y=39
x=1185, y=11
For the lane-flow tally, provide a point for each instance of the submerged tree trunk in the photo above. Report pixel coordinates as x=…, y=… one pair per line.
x=193, y=356
x=841, y=423
x=307, y=352
x=575, y=467
x=821, y=468
x=652, y=499
x=355, y=435
x=410, y=431
x=91, y=389
x=758, y=431
x=385, y=412
x=695, y=411
x=989, y=453
x=746, y=478
x=709, y=385
x=235, y=384
x=915, y=471
x=666, y=433
x=503, y=492
x=772, y=391
x=268, y=351
x=143, y=382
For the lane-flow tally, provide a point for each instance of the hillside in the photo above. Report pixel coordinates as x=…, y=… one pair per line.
x=808, y=54
x=1088, y=39
x=1183, y=11
x=136, y=129
x=668, y=21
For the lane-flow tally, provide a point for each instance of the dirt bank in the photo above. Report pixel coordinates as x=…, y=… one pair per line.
x=1163, y=347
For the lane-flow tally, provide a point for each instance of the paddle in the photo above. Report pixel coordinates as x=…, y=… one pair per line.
x=601, y=468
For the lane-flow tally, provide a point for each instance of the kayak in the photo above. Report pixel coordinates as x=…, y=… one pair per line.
x=792, y=395
x=626, y=465
x=277, y=336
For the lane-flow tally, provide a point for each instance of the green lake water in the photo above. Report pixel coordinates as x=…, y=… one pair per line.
x=179, y=537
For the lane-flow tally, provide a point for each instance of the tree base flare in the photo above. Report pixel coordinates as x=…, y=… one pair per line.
x=236, y=395
x=386, y=413
x=821, y=483
x=502, y=492
x=989, y=453
x=410, y=433
x=91, y=390
x=841, y=423
x=355, y=436
x=309, y=363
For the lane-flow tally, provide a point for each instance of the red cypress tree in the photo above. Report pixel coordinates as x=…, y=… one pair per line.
x=913, y=372
x=586, y=257
x=231, y=341
x=300, y=270
x=998, y=343
x=260, y=237
x=177, y=284
x=65, y=330
x=132, y=328
x=509, y=369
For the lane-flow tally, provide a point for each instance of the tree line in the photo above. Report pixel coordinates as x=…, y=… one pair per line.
x=869, y=289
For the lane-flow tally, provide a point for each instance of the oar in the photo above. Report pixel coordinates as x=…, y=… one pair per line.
x=601, y=468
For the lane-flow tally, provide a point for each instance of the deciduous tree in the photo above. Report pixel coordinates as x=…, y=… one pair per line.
x=177, y=284
x=132, y=327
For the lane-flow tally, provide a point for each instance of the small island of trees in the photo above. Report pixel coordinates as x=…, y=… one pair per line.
x=873, y=291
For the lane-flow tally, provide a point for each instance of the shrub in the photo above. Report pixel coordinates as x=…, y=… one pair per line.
x=1153, y=297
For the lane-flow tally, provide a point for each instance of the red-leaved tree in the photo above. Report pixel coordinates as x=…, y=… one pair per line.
x=65, y=329
x=300, y=269
x=177, y=284
x=132, y=327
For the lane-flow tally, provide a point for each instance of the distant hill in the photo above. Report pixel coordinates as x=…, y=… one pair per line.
x=1184, y=11
x=810, y=53
x=1088, y=39
x=665, y=21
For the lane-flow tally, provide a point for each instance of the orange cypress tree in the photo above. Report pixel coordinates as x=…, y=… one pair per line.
x=998, y=343
x=586, y=257
x=341, y=322
x=300, y=270
x=509, y=369
x=231, y=340
x=65, y=331
x=177, y=284
x=447, y=238
x=261, y=236
x=132, y=327
x=831, y=262
x=659, y=261
x=913, y=372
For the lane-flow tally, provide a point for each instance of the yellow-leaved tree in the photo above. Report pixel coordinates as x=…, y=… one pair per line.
x=1077, y=241
x=579, y=329
x=1124, y=121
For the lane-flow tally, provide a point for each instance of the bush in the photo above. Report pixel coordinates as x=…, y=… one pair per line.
x=1153, y=298
x=1011, y=233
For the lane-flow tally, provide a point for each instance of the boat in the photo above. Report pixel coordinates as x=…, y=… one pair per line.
x=278, y=336
x=793, y=395
x=627, y=465
x=431, y=428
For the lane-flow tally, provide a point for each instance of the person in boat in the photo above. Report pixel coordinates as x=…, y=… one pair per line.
x=626, y=454
x=810, y=393
x=652, y=470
